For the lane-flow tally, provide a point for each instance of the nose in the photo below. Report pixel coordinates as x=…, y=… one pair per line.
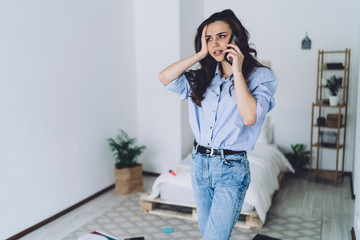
x=215, y=43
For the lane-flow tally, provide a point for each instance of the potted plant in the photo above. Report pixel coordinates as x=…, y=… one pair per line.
x=128, y=172
x=298, y=158
x=333, y=84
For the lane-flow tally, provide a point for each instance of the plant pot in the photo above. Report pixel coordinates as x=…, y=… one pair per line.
x=334, y=100
x=129, y=180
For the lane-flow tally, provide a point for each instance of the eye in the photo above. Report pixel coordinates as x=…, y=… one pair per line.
x=208, y=39
x=222, y=36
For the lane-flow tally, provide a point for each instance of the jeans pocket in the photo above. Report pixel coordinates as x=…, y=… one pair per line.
x=233, y=172
x=233, y=162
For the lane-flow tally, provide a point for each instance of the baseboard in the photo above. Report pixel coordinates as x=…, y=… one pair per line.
x=351, y=186
x=353, y=237
x=349, y=174
x=151, y=174
x=60, y=214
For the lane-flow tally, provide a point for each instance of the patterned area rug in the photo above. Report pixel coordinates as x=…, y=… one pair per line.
x=125, y=220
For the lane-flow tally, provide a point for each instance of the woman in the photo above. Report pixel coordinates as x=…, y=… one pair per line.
x=230, y=93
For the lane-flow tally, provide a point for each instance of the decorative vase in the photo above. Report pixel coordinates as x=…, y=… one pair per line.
x=334, y=100
x=129, y=180
x=321, y=121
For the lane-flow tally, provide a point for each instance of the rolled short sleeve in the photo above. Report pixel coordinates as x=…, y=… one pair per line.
x=263, y=87
x=180, y=86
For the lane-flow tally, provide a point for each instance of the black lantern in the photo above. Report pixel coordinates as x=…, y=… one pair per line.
x=306, y=43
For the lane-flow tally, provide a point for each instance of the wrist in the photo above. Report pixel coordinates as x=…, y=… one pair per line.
x=202, y=55
x=238, y=74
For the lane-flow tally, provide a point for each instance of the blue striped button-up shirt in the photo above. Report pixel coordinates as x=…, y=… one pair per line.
x=218, y=123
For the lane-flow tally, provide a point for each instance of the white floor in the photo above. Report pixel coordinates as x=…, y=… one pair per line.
x=317, y=198
x=66, y=224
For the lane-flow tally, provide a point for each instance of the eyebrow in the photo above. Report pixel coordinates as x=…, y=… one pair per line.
x=216, y=34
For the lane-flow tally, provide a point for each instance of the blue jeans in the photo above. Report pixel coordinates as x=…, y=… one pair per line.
x=219, y=187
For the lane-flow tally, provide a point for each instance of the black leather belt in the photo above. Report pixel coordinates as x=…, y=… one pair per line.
x=214, y=151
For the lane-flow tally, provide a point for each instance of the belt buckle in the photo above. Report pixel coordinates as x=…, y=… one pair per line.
x=210, y=151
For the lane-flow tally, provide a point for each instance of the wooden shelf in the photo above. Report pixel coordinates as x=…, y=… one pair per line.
x=327, y=146
x=339, y=115
x=341, y=105
x=327, y=174
x=322, y=86
x=337, y=69
x=325, y=126
x=335, y=66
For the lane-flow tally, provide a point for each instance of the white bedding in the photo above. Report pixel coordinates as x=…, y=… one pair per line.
x=266, y=162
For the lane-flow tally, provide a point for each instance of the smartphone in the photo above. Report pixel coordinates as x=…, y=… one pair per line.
x=233, y=38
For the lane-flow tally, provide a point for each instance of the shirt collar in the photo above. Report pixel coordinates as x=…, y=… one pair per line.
x=217, y=74
x=217, y=70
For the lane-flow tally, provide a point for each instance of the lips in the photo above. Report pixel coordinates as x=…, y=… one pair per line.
x=218, y=52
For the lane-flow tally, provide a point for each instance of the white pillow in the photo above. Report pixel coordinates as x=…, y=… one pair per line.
x=267, y=132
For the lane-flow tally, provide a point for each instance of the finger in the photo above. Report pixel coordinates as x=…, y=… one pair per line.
x=203, y=38
x=204, y=31
x=231, y=56
x=234, y=46
x=231, y=51
x=234, y=57
x=236, y=50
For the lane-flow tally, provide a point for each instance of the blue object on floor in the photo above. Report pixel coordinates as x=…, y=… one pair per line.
x=168, y=230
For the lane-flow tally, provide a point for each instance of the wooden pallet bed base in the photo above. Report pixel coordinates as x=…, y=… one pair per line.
x=247, y=220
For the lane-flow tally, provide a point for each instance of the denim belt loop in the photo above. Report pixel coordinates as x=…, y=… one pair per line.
x=222, y=154
x=197, y=145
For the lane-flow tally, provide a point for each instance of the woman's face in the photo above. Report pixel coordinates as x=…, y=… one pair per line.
x=218, y=36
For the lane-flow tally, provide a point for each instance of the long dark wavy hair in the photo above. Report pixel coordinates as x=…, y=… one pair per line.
x=201, y=78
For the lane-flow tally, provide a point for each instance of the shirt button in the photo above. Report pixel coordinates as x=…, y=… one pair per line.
x=217, y=95
x=210, y=127
x=208, y=144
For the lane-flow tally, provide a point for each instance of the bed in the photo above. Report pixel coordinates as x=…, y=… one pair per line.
x=266, y=162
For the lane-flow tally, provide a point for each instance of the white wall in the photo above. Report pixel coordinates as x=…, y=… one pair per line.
x=356, y=175
x=277, y=29
x=157, y=41
x=66, y=72
x=163, y=37
x=191, y=15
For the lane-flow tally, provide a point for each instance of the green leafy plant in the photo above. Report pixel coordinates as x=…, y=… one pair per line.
x=124, y=150
x=298, y=158
x=333, y=84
